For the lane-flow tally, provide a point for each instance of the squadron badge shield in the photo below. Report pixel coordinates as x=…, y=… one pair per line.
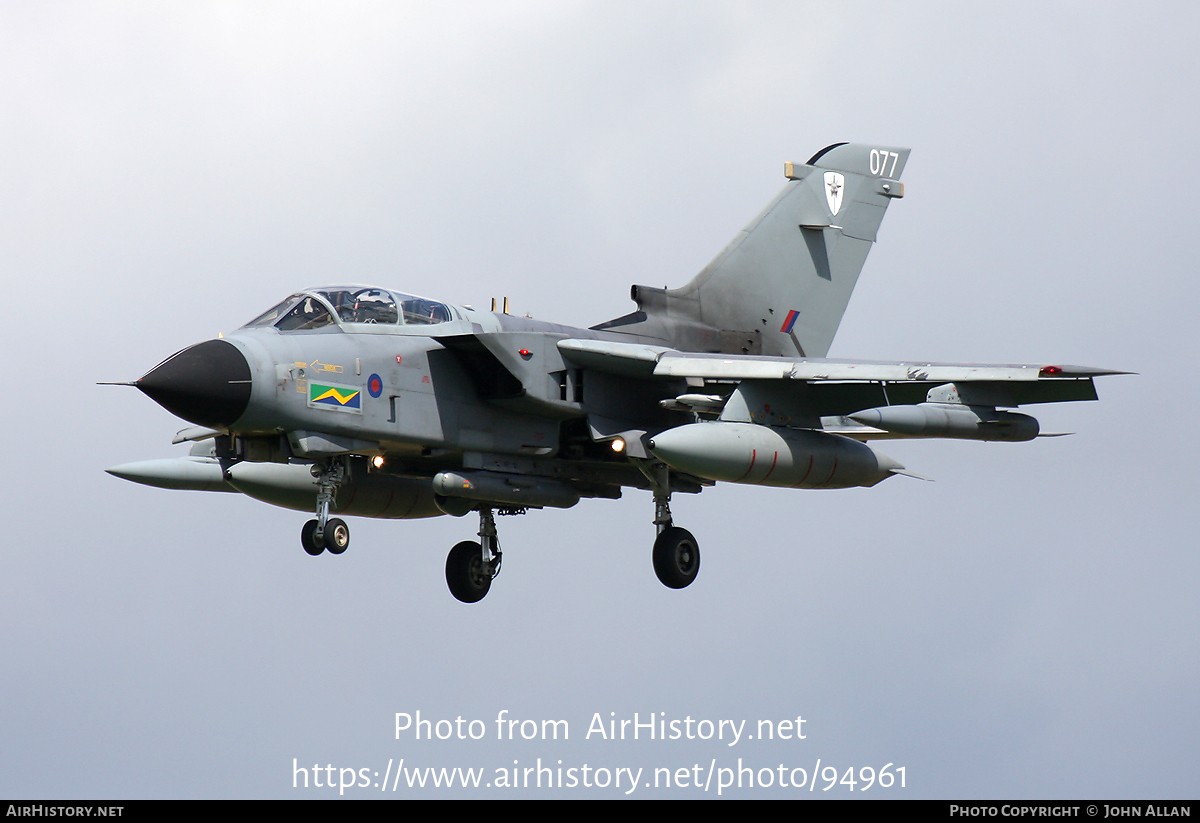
x=834, y=185
x=335, y=396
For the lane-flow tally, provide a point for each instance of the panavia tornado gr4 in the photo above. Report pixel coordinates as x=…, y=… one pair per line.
x=360, y=400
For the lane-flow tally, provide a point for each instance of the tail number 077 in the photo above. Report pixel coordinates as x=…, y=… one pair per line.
x=879, y=162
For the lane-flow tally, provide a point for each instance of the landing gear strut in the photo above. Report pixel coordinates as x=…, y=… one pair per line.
x=471, y=566
x=326, y=532
x=676, y=553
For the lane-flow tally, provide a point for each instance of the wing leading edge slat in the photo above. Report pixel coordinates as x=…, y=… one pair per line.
x=743, y=367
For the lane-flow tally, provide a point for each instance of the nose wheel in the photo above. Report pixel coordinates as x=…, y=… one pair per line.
x=325, y=532
x=336, y=537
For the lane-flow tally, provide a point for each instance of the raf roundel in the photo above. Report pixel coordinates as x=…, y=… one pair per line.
x=374, y=385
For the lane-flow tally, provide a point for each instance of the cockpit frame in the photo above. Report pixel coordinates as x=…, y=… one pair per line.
x=356, y=308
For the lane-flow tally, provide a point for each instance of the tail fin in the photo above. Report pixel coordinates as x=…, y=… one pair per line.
x=781, y=286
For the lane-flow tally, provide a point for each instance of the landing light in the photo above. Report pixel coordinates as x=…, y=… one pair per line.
x=618, y=445
x=377, y=461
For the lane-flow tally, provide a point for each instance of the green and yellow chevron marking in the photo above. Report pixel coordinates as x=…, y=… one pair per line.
x=334, y=396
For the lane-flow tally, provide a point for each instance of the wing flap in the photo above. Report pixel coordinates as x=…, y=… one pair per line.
x=841, y=398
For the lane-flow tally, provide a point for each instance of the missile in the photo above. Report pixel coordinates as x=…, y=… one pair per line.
x=771, y=456
x=950, y=420
x=695, y=402
x=290, y=486
x=508, y=489
x=192, y=473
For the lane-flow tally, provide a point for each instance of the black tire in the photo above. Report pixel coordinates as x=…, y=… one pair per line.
x=308, y=538
x=337, y=535
x=676, y=557
x=465, y=574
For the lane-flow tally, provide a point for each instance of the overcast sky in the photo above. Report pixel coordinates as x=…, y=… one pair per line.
x=1024, y=626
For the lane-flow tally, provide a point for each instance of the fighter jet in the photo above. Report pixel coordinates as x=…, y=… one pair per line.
x=360, y=400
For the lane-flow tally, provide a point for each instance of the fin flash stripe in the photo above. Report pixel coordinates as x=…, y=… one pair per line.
x=789, y=321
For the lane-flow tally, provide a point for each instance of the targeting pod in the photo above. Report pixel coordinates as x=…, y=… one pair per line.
x=950, y=420
x=507, y=489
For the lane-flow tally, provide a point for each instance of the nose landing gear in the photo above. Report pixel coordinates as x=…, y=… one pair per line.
x=325, y=532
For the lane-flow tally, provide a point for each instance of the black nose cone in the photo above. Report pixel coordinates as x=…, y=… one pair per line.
x=207, y=384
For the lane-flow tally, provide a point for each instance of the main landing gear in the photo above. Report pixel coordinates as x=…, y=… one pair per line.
x=326, y=532
x=471, y=566
x=676, y=553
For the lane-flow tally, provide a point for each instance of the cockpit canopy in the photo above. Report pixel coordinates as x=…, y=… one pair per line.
x=352, y=304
